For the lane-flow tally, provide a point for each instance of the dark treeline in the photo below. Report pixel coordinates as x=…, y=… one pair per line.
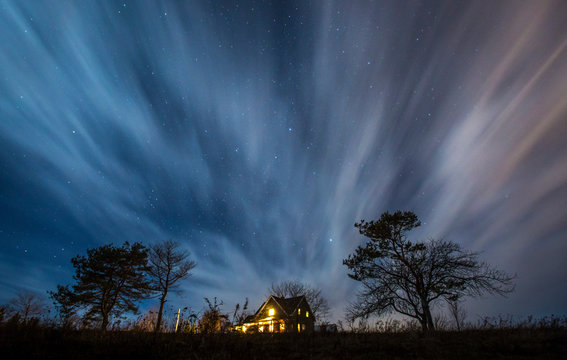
x=111, y=281
x=397, y=276
x=412, y=278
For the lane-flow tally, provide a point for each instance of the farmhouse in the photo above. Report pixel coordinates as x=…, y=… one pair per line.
x=278, y=315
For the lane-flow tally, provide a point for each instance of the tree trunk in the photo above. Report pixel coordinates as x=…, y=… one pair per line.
x=104, y=324
x=427, y=324
x=104, y=313
x=423, y=324
x=160, y=312
x=26, y=314
x=430, y=324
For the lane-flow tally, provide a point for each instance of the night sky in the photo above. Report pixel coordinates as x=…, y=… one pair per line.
x=257, y=133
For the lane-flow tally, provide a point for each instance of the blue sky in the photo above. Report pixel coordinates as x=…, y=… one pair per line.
x=257, y=133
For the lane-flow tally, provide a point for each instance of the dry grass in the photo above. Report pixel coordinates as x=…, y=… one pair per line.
x=20, y=342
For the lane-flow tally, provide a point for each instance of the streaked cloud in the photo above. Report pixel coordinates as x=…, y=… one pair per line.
x=257, y=135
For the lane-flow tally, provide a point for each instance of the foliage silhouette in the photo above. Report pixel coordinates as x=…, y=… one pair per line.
x=213, y=320
x=110, y=281
x=240, y=313
x=168, y=264
x=398, y=275
x=28, y=306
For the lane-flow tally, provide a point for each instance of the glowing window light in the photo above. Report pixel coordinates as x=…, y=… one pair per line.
x=307, y=314
x=261, y=329
x=298, y=311
x=282, y=327
x=298, y=328
x=271, y=312
x=243, y=328
x=271, y=327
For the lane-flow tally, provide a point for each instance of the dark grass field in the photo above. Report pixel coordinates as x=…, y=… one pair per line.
x=45, y=343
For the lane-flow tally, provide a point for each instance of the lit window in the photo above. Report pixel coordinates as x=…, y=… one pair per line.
x=298, y=311
x=243, y=328
x=298, y=328
x=282, y=327
x=302, y=327
x=261, y=328
x=307, y=314
x=271, y=312
x=271, y=327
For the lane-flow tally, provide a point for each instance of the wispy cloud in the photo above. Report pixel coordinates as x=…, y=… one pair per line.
x=257, y=135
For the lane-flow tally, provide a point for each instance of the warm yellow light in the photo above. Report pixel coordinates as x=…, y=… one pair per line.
x=261, y=329
x=243, y=328
x=271, y=312
x=282, y=327
x=271, y=327
x=298, y=328
x=307, y=314
x=298, y=311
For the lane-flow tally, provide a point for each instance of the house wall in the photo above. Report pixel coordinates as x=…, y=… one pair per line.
x=304, y=316
x=271, y=305
x=306, y=323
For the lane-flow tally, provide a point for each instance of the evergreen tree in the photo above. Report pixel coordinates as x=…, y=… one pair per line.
x=110, y=281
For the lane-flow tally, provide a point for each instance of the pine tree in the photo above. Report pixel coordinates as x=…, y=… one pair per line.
x=110, y=281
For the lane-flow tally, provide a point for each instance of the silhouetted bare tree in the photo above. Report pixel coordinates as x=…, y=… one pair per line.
x=28, y=305
x=168, y=264
x=319, y=305
x=408, y=278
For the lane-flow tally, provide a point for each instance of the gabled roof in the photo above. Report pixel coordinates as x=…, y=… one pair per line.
x=288, y=305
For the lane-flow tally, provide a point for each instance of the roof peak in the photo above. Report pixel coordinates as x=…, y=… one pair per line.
x=287, y=298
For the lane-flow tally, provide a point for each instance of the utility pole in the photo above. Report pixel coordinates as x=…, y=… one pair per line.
x=177, y=322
